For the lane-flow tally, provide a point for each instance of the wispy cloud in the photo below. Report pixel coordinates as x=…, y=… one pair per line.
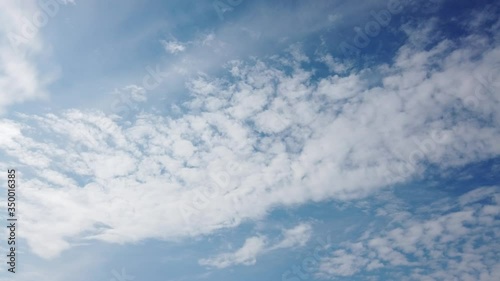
x=246, y=255
x=258, y=245
x=173, y=46
x=295, y=237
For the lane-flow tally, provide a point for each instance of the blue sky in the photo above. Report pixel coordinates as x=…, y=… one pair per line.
x=252, y=140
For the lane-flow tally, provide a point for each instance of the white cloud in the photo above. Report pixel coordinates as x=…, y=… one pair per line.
x=173, y=46
x=334, y=65
x=297, y=236
x=254, y=246
x=342, y=264
x=260, y=139
x=21, y=46
x=456, y=242
x=246, y=255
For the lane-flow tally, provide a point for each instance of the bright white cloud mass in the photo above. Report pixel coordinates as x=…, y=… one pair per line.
x=266, y=133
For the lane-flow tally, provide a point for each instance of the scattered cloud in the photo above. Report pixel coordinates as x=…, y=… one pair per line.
x=457, y=242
